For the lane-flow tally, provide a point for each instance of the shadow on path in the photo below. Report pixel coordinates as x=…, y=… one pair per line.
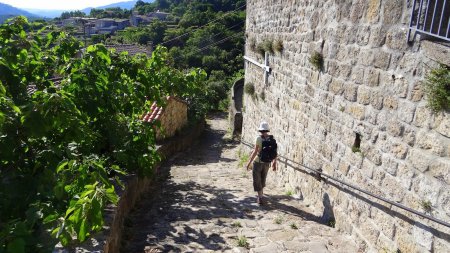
x=194, y=208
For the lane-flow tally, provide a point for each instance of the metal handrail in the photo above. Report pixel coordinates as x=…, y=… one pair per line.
x=320, y=174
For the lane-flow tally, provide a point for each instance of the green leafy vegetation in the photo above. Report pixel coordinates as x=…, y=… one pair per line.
x=426, y=205
x=278, y=220
x=242, y=242
x=294, y=226
x=331, y=222
x=64, y=144
x=289, y=192
x=356, y=149
x=316, y=60
x=243, y=159
x=437, y=88
x=207, y=34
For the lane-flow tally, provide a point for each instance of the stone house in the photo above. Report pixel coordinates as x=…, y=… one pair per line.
x=158, y=15
x=361, y=117
x=172, y=117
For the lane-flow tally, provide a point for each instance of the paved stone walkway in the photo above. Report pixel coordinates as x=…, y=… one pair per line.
x=207, y=204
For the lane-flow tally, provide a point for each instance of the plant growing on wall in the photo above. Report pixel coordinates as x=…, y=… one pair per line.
x=263, y=95
x=260, y=49
x=437, y=88
x=264, y=46
x=252, y=44
x=278, y=46
x=249, y=88
x=267, y=45
x=316, y=60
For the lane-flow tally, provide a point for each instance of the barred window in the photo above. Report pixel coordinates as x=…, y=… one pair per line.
x=430, y=17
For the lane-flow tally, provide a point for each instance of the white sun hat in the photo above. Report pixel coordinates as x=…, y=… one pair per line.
x=264, y=126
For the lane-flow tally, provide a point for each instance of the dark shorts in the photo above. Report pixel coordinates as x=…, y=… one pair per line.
x=259, y=175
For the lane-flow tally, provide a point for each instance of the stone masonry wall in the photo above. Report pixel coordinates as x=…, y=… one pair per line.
x=371, y=85
x=173, y=119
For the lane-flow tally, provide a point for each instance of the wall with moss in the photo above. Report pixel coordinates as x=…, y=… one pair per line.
x=371, y=85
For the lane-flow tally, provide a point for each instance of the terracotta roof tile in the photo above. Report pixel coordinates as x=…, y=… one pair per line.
x=156, y=111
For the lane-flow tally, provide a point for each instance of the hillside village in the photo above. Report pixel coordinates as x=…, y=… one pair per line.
x=90, y=26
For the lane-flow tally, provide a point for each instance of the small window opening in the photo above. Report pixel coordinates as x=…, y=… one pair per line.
x=357, y=144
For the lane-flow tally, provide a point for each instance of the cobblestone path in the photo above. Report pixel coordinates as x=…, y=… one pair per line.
x=207, y=204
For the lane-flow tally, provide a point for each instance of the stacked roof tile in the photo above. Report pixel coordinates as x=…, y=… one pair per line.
x=154, y=113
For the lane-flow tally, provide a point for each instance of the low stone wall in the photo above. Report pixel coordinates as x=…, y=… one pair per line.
x=137, y=186
x=173, y=119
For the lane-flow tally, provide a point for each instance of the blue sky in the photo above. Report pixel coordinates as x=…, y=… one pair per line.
x=58, y=4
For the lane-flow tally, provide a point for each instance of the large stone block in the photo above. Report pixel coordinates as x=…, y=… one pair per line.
x=395, y=128
x=381, y=59
x=390, y=103
x=373, y=11
x=405, y=174
x=350, y=92
x=408, y=243
x=392, y=11
x=406, y=111
x=440, y=169
x=357, y=10
x=417, y=92
x=432, y=142
x=442, y=121
x=363, y=35
x=392, y=188
x=371, y=77
x=357, y=111
x=400, y=86
x=377, y=36
x=423, y=116
x=419, y=159
x=399, y=150
x=395, y=39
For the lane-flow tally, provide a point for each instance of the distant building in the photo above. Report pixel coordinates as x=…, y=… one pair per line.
x=92, y=26
x=137, y=19
x=158, y=15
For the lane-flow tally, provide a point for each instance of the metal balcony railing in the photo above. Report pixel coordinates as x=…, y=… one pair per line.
x=430, y=17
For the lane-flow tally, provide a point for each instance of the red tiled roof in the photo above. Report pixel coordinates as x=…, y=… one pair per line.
x=156, y=111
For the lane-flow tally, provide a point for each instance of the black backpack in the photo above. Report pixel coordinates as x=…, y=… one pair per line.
x=268, y=150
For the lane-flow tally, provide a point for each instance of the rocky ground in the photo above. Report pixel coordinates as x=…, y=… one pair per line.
x=205, y=203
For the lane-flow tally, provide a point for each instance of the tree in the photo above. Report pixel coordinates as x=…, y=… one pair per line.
x=64, y=144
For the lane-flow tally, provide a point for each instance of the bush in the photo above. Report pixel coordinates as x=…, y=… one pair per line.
x=437, y=88
x=278, y=46
x=316, y=60
x=267, y=45
x=260, y=50
x=249, y=88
